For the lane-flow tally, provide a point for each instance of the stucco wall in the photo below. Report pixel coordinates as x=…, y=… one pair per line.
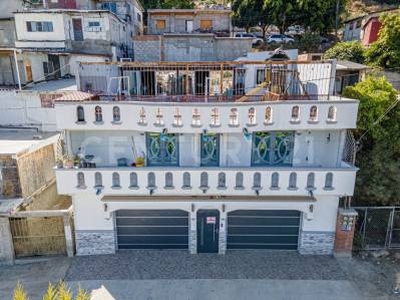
x=9, y=185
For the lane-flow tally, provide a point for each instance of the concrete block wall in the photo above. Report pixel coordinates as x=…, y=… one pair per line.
x=147, y=48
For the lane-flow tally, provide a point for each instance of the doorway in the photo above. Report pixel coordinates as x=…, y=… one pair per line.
x=77, y=27
x=201, y=82
x=207, y=231
x=189, y=25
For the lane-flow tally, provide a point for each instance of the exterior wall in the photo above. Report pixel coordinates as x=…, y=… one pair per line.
x=371, y=31
x=24, y=108
x=148, y=48
x=97, y=235
x=10, y=186
x=352, y=32
x=7, y=8
x=7, y=69
x=36, y=170
x=35, y=60
x=175, y=20
x=7, y=33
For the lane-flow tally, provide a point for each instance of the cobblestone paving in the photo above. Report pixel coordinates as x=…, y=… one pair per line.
x=181, y=265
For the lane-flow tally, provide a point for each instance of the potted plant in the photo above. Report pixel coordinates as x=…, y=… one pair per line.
x=59, y=163
x=68, y=162
x=140, y=161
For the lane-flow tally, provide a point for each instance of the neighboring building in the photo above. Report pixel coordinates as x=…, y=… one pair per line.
x=365, y=28
x=160, y=21
x=179, y=158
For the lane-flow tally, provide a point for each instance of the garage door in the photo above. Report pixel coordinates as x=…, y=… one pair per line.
x=152, y=229
x=263, y=229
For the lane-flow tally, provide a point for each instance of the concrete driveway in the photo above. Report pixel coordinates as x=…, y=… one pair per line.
x=178, y=275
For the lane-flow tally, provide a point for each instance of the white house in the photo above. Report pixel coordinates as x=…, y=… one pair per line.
x=210, y=174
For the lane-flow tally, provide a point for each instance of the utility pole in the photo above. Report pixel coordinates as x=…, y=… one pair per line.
x=337, y=19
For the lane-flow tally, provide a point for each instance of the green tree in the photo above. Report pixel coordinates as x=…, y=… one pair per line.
x=353, y=51
x=385, y=52
x=378, y=158
x=250, y=13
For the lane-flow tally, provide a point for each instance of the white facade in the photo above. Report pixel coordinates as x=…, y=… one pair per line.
x=268, y=161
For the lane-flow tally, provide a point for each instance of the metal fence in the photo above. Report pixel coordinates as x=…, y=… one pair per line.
x=377, y=228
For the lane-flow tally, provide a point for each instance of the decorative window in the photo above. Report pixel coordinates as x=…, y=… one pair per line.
x=210, y=149
x=81, y=180
x=196, y=122
x=292, y=181
x=98, y=114
x=257, y=181
x=186, y=181
x=159, y=118
x=310, y=181
x=234, y=118
x=116, y=114
x=98, y=180
x=268, y=115
x=142, y=116
x=260, y=76
x=162, y=149
x=204, y=182
x=151, y=181
x=272, y=148
x=177, y=118
x=115, y=180
x=328, y=181
x=80, y=114
x=133, y=178
x=215, y=117
x=295, y=114
x=160, y=24
x=221, y=181
x=169, y=181
x=313, y=114
x=274, y=181
x=206, y=24
x=39, y=26
x=239, y=181
x=251, y=117
x=332, y=114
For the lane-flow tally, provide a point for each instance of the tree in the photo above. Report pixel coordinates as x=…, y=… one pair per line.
x=385, y=52
x=353, y=51
x=180, y=4
x=250, y=13
x=378, y=158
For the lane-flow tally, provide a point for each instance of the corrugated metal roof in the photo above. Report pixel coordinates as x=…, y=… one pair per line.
x=349, y=65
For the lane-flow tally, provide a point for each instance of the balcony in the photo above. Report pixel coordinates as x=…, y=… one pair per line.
x=147, y=181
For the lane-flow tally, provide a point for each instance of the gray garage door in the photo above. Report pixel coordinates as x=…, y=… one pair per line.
x=152, y=229
x=263, y=229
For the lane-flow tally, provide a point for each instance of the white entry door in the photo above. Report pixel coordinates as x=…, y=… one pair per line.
x=189, y=25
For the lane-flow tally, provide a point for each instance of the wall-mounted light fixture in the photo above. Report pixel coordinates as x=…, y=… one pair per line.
x=246, y=133
x=204, y=131
x=105, y=207
x=98, y=192
x=151, y=192
x=328, y=138
x=165, y=131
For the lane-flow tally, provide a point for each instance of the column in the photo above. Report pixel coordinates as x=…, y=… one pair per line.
x=193, y=231
x=222, y=233
x=345, y=225
x=68, y=235
x=6, y=243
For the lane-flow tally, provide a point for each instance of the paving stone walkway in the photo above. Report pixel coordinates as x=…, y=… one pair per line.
x=135, y=265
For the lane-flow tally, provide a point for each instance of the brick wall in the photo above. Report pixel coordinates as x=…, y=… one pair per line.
x=345, y=231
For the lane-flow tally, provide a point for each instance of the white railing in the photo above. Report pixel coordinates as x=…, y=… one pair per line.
x=207, y=181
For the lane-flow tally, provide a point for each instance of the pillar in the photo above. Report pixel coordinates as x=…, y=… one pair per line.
x=222, y=233
x=193, y=231
x=6, y=243
x=68, y=235
x=345, y=225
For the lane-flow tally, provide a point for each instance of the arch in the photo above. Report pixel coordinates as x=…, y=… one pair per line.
x=292, y=181
x=221, y=181
x=169, y=180
x=268, y=115
x=234, y=117
x=275, y=181
x=257, y=181
x=252, y=116
x=80, y=114
x=115, y=180
x=98, y=113
x=133, y=181
x=98, y=180
x=116, y=114
x=295, y=113
x=81, y=180
x=311, y=181
x=332, y=113
x=186, y=181
x=215, y=117
x=196, y=118
x=239, y=181
x=177, y=118
x=328, y=181
x=151, y=180
x=204, y=181
x=313, y=113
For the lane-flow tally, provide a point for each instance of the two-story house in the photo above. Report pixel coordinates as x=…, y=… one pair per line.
x=187, y=166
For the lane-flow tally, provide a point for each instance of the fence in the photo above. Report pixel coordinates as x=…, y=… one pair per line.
x=377, y=228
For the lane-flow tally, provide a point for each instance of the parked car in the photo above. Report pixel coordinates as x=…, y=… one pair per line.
x=295, y=29
x=279, y=39
x=256, y=40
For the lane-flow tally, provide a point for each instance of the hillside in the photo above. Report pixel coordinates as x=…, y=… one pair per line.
x=356, y=8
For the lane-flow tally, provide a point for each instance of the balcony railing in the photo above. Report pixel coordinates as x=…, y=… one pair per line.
x=208, y=181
